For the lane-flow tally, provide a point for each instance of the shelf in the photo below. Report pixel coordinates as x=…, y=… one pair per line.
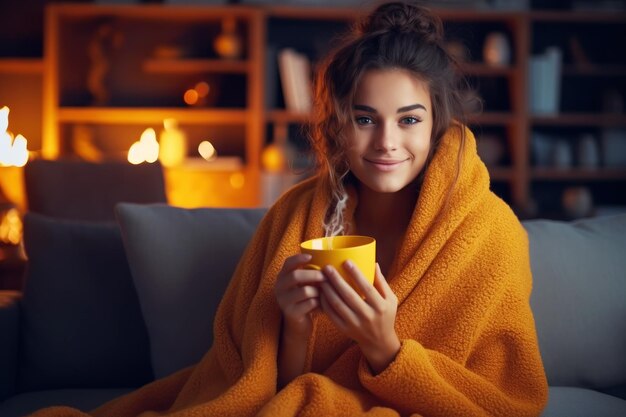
x=21, y=65
x=481, y=69
x=142, y=12
x=286, y=117
x=475, y=15
x=192, y=66
x=579, y=16
x=340, y=14
x=580, y=119
x=595, y=70
x=222, y=163
x=492, y=118
x=120, y=115
x=578, y=174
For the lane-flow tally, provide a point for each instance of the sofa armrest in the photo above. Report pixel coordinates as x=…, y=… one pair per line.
x=9, y=329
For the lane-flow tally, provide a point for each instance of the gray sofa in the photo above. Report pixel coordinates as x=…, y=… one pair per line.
x=109, y=307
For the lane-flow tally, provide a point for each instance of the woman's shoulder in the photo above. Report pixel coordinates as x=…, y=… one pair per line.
x=503, y=223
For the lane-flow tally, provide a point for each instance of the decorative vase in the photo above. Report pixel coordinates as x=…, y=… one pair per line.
x=577, y=202
x=497, y=50
x=228, y=43
x=588, y=152
x=562, y=154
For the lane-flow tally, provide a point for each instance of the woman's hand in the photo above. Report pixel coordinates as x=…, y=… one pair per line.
x=368, y=320
x=297, y=294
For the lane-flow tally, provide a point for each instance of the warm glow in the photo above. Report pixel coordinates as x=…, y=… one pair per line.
x=4, y=119
x=13, y=152
x=207, y=150
x=273, y=158
x=11, y=227
x=149, y=145
x=5, y=148
x=146, y=149
x=20, y=153
x=172, y=144
x=134, y=154
x=202, y=88
x=237, y=180
x=191, y=97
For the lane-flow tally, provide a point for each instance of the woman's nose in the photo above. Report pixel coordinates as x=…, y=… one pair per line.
x=386, y=138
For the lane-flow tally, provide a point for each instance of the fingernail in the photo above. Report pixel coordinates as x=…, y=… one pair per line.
x=349, y=264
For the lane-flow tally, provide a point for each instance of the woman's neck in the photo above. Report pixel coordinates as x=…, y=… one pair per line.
x=385, y=217
x=378, y=213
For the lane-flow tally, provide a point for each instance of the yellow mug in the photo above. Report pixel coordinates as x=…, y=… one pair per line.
x=335, y=250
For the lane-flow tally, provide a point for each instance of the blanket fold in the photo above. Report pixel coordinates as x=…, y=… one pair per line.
x=463, y=281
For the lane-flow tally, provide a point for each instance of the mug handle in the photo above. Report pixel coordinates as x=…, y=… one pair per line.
x=311, y=266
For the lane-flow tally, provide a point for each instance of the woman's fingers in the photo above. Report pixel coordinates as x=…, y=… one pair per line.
x=330, y=311
x=304, y=307
x=352, y=298
x=294, y=262
x=301, y=294
x=338, y=304
x=381, y=284
x=369, y=292
x=292, y=276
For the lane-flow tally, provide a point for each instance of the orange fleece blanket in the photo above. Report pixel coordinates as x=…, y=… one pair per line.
x=463, y=281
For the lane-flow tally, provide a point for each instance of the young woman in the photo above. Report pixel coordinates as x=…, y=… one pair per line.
x=446, y=329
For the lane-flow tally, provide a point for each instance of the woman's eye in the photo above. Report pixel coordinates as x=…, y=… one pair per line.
x=410, y=120
x=364, y=120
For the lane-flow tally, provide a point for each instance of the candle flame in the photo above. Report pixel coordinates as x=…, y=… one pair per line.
x=237, y=180
x=11, y=227
x=144, y=150
x=13, y=152
x=207, y=150
x=4, y=119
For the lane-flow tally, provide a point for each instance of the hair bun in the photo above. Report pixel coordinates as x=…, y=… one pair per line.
x=403, y=17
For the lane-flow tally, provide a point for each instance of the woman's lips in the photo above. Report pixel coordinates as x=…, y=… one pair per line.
x=385, y=164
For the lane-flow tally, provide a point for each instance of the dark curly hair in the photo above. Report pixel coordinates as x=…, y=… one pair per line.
x=397, y=35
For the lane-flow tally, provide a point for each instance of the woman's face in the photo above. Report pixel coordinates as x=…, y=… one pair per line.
x=393, y=119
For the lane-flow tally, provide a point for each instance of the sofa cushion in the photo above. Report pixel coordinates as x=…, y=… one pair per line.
x=82, y=399
x=81, y=321
x=579, y=402
x=579, y=274
x=181, y=261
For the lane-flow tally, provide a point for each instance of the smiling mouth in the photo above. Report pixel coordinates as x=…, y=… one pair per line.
x=385, y=165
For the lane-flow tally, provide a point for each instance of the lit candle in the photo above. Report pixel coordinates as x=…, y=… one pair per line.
x=19, y=151
x=145, y=149
x=149, y=145
x=173, y=144
x=207, y=150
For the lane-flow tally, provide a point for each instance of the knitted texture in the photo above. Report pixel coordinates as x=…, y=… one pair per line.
x=463, y=281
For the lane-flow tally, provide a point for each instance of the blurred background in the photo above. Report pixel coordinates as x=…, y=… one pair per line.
x=216, y=95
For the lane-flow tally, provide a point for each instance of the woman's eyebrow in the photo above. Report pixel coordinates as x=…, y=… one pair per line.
x=364, y=108
x=369, y=109
x=411, y=107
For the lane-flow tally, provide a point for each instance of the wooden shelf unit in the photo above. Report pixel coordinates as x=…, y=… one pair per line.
x=579, y=174
x=249, y=22
x=135, y=115
x=21, y=65
x=190, y=66
x=261, y=124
